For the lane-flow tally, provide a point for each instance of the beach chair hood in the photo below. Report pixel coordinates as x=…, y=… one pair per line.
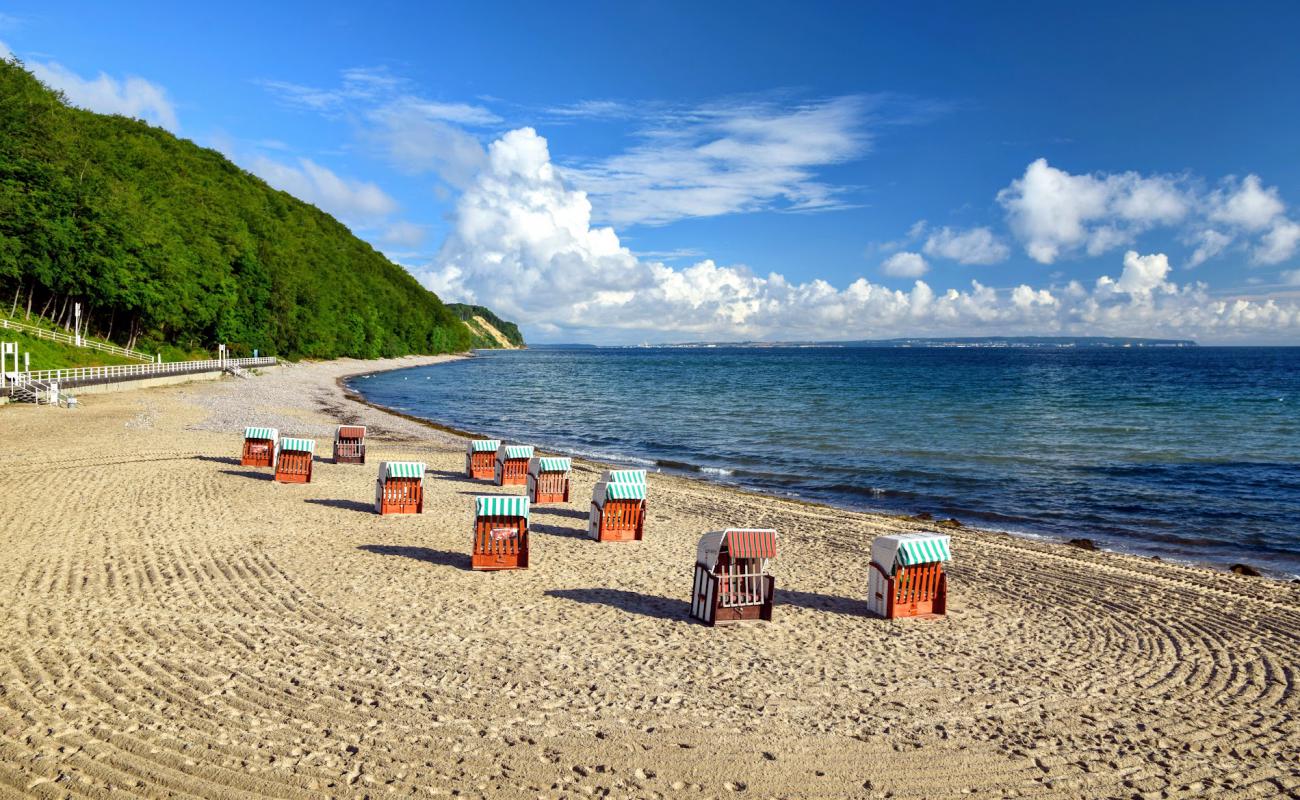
x=738, y=542
x=513, y=451
x=617, y=491
x=501, y=505
x=350, y=432
x=907, y=549
x=636, y=476
x=540, y=464
x=261, y=433
x=483, y=446
x=292, y=445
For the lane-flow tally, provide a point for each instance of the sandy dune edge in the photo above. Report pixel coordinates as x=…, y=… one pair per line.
x=175, y=625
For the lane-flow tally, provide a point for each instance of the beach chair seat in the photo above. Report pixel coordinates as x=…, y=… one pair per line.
x=732, y=583
x=906, y=577
x=293, y=462
x=617, y=513
x=350, y=444
x=548, y=479
x=399, y=489
x=511, y=467
x=481, y=458
x=500, y=532
x=259, y=447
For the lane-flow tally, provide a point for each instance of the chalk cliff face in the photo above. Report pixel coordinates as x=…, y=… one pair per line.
x=488, y=328
x=164, y=242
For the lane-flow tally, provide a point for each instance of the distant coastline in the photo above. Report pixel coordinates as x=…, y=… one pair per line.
x=1074, y=342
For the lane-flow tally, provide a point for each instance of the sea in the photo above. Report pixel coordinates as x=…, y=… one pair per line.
x=1187, y=453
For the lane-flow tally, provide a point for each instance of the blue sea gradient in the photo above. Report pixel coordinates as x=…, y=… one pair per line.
x=1190, y=453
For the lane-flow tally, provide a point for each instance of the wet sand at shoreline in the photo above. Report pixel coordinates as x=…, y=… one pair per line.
x=174, y=624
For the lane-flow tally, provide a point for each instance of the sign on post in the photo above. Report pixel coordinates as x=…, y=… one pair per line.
x=76, y=310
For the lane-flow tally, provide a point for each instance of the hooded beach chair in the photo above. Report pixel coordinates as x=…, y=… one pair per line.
x=399, y=489
x=481, y=458
x=259, y=447
x=512, y=464
x=500, y=532
x=548, y=479
x=907, y=577
x=350, y=444
x=617, y=512
x=293, y=461
x=623, y=476
x=731, y=578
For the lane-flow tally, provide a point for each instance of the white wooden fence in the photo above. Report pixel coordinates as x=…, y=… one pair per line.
x=65, y=338
x=33, y=383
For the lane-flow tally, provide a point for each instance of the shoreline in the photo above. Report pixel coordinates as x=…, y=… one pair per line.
x=698, y=473
x=185, y=626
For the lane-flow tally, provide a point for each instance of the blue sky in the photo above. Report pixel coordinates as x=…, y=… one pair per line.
x=771, y=170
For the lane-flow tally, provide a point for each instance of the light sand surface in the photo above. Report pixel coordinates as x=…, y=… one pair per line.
x=175, y=625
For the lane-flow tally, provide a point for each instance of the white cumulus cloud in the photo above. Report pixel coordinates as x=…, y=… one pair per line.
x=1054, y=212
x=974, y=246
x=523, y=243
x=130, y=96
x=905, y=265
x=353, y=201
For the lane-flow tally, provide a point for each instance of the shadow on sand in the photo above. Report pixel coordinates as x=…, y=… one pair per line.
x=450, y=475
x=632, y=602
x=556, y=530
x=228, y=460
x=346, y=505
x=851, y=606
x=248, y=473
x=571, y=513
x=443, y=558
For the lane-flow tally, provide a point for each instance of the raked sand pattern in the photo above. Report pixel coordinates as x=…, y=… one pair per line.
x=175, y=625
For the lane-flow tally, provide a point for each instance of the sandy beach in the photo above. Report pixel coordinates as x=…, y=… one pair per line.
x=175, y=625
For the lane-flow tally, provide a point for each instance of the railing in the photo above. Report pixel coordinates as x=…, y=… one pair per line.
x=19, y=381
x=44, y=333
x=740, y=585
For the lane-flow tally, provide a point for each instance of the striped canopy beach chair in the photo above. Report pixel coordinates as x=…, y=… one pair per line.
x=512, y=464
x=624, y=476
x=259, y=447
x=481, y=458
x=731, y=578
x=500, y=532
x=617, y=512
x=548, y=479
x=293, y=461
x=907, y=577
x=350, y=444
x=399, y=489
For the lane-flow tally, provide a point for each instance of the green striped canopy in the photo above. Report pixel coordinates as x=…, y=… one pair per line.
x=624, y=491
x=261, y=433
x=298, y=445
x=519, y=451
x=501, y=505
x=636, y=476
x=405, y=469
x=922, y=549
x=554, y=464
x=485, y=445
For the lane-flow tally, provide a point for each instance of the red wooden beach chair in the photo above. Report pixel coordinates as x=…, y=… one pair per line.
x=350, y=444
x=512, y=464
x=500, y=532
x=731, y=578
x=481, y=459
x=294, y=459
x=617, y=512
x=399, y=489
x=907, y=577
x=259, y=447
x=548, y=479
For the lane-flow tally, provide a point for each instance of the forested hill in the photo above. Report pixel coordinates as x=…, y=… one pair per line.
x=165, y=242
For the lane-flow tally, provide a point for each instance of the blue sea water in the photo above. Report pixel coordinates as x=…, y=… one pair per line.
x=1190, y=453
